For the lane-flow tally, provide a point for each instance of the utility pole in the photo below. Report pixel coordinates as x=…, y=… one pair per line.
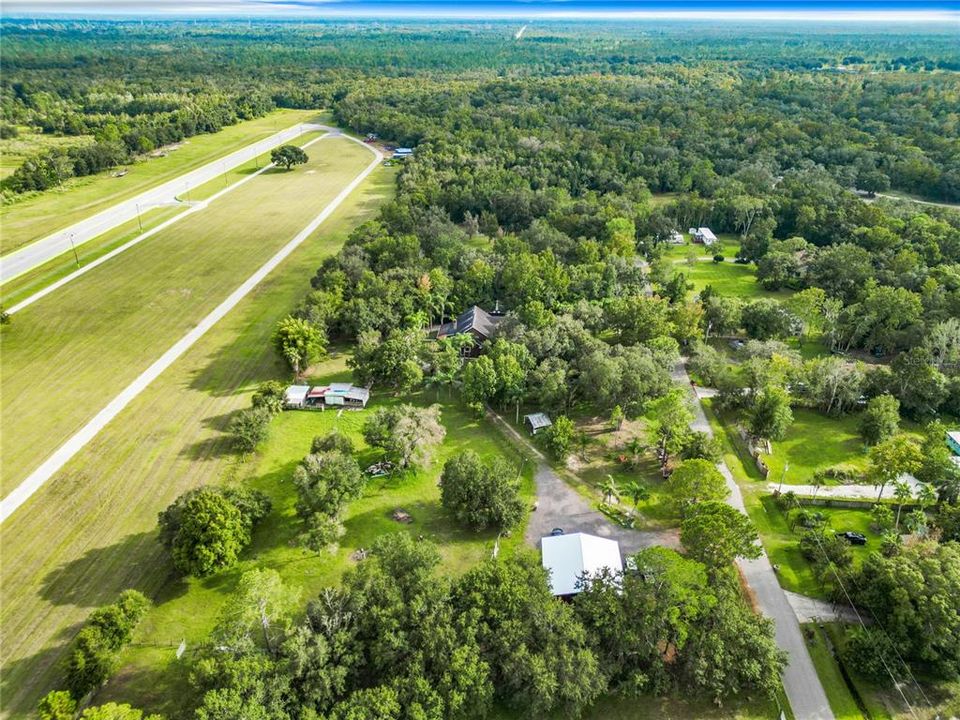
x=783, y=475
x=74, y=248
x=139, y=221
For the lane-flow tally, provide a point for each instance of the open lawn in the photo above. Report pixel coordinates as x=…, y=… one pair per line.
x=90, y=532
x=32, y=281
x=187, y=609
x=814, y=442
x=96, y=334
x=38, y=215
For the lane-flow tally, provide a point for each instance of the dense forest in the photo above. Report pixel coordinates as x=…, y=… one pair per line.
x=547, y=179
x=863, y=106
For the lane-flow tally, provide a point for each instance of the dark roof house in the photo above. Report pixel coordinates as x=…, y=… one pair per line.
x=476, y=321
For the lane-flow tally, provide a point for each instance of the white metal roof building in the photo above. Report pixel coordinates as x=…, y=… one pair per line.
x=569, y=557
x=706, y=236
x=537, y=422
x=295, y=395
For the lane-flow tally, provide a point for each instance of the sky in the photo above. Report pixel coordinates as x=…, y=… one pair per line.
x=937, y=11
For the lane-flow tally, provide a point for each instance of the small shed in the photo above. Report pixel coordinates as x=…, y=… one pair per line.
x=570, y=558
x=676, y=238
x=953, y=441
x=705, y=235
x=295, y=396
x=537, y=422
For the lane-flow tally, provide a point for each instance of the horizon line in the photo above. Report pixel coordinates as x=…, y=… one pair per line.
x=241, y=10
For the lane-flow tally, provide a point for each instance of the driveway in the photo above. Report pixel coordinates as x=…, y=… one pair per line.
x=559, y=505
x=800, y=681
x=849, y=492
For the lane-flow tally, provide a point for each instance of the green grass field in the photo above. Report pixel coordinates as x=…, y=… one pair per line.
x=97, y=517
x=23, y=286
x=188, y=609
x=93, y=336
x=38, y=215
x=815, y=442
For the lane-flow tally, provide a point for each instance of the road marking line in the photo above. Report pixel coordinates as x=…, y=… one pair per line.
x=71, y=447
x=288, y=134
x=195, y=207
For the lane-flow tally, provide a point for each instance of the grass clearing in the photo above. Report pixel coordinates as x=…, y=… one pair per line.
x=106, y=327
x=188, y=609
x=815, y=442
x=33, y=217
x=23, y=286
x=98, y=515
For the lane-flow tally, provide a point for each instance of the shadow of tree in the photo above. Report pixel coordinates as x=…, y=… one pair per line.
x=214, y=446
x=99, y=575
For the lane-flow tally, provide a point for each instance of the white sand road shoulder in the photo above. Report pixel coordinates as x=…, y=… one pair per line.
x=36, y=253
x=71, y=447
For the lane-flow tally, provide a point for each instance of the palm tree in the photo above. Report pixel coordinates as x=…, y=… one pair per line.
x=609, y=489
x=637, y=492
x=903, y=494
x=817, y=482
x=926, y=495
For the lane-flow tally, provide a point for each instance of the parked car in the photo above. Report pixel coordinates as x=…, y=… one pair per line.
x=854, y=538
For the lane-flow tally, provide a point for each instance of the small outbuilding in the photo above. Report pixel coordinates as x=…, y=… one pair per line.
x=574, y=558
x=676, y=238
x=341, y=394
x=295, y=396
x=537, y=422
x=705, y=236
x=953, y=441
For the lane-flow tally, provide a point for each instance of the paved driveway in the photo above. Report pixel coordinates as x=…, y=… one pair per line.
x=559, y=505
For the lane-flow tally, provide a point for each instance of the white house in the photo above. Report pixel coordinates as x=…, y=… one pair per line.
x=571, y=557
x=295, y=396
x=705, y=235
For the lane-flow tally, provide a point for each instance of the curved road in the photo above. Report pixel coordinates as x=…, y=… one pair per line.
x=39, y=252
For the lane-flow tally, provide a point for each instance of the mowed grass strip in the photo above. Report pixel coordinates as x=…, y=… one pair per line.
x=33, y=281
x=35, y=217
x=91, y=531
x=69, y=354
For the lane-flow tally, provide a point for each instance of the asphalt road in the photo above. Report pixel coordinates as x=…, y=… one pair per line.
x=800, y=681
x=39, y=252
x=71, y=447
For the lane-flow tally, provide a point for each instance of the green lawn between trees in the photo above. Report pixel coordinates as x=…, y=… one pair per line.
x=97, y=518
x=153, y=678
x=34, y=217
x=106, y=327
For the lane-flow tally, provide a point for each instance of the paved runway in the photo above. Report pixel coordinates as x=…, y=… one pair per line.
x=39, y=252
